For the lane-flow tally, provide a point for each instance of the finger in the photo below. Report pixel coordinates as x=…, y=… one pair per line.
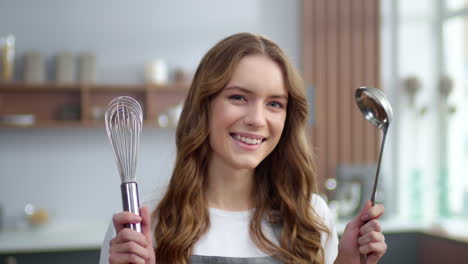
x=127, y=235
x=124, y=258
x=122, y=218
x=130, y=247
x=374, y=248
x=146, y=224
x=373, y=225
x=373, y=258
x=370, y=238
x=357, y=222
x=373, y=212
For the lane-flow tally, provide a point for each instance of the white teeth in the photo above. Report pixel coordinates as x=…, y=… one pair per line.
x=250, y=141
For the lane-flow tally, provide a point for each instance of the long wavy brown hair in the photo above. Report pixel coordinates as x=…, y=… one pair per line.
x=284, y=181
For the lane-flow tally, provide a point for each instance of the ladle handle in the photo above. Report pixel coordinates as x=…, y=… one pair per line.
x=376, y=180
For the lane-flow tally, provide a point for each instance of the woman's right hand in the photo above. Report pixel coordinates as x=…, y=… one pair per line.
x=130, y=246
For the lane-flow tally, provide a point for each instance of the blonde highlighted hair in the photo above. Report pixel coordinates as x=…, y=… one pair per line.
x=284, y=181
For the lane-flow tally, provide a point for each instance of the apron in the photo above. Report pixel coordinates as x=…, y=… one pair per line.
x=196, y=259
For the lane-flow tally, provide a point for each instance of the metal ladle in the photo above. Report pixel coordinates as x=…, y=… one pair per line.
x=378, y=111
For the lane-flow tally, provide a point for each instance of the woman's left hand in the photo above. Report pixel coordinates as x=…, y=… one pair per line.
x=363, y=235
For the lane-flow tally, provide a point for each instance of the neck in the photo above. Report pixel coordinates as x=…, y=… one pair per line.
x=228, y=188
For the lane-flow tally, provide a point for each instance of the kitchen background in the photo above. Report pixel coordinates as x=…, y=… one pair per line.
x=414, y=50
x=72, y=172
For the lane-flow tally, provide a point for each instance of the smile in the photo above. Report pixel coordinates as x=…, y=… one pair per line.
x=250, y=141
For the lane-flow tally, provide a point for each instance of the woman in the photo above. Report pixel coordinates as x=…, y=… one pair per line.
x=242, y=190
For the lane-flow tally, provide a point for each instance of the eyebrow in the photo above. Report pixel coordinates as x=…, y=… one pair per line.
x=247, y=91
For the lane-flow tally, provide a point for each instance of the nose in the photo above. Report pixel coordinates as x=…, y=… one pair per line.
x=255, y=116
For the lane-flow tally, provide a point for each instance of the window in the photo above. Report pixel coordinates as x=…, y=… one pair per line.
x=454, y=105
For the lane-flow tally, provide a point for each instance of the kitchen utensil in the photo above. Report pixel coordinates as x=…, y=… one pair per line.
x=124, y=121
x=378, y=111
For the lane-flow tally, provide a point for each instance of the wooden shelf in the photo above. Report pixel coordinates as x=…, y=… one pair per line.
x=44, y=124
x=81, y=105
x=73, y=125
x=51, y=86
x=36, y=87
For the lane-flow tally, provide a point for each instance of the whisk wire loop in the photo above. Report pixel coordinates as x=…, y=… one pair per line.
x=124, y=121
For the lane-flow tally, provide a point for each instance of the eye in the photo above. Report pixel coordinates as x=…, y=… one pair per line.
x=276, y=104
x=237, y=97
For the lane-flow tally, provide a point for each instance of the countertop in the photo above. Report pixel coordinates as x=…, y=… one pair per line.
x=54, y=237
x=89, y=234
x=453, y=229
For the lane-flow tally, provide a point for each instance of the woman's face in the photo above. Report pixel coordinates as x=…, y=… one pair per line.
x=248, y=116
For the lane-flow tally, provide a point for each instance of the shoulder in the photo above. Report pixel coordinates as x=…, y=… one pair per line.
x=318, y=201
x=319, y=205
x=322, y=210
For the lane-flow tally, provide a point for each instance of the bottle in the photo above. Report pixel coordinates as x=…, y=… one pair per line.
x=7, y=56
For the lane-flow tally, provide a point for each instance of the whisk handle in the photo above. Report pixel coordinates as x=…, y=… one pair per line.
x=130, y=202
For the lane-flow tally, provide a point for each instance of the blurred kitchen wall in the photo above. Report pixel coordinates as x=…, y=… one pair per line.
x=71, y=172
x=127, y=35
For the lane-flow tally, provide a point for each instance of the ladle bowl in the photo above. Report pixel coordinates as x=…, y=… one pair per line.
x=374, y=106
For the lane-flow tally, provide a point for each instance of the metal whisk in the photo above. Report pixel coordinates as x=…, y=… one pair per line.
x=124, y=121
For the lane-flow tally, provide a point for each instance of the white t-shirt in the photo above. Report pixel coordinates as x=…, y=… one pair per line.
x=228, y=238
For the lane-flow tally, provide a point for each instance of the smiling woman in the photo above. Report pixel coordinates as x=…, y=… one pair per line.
x=244, y=182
